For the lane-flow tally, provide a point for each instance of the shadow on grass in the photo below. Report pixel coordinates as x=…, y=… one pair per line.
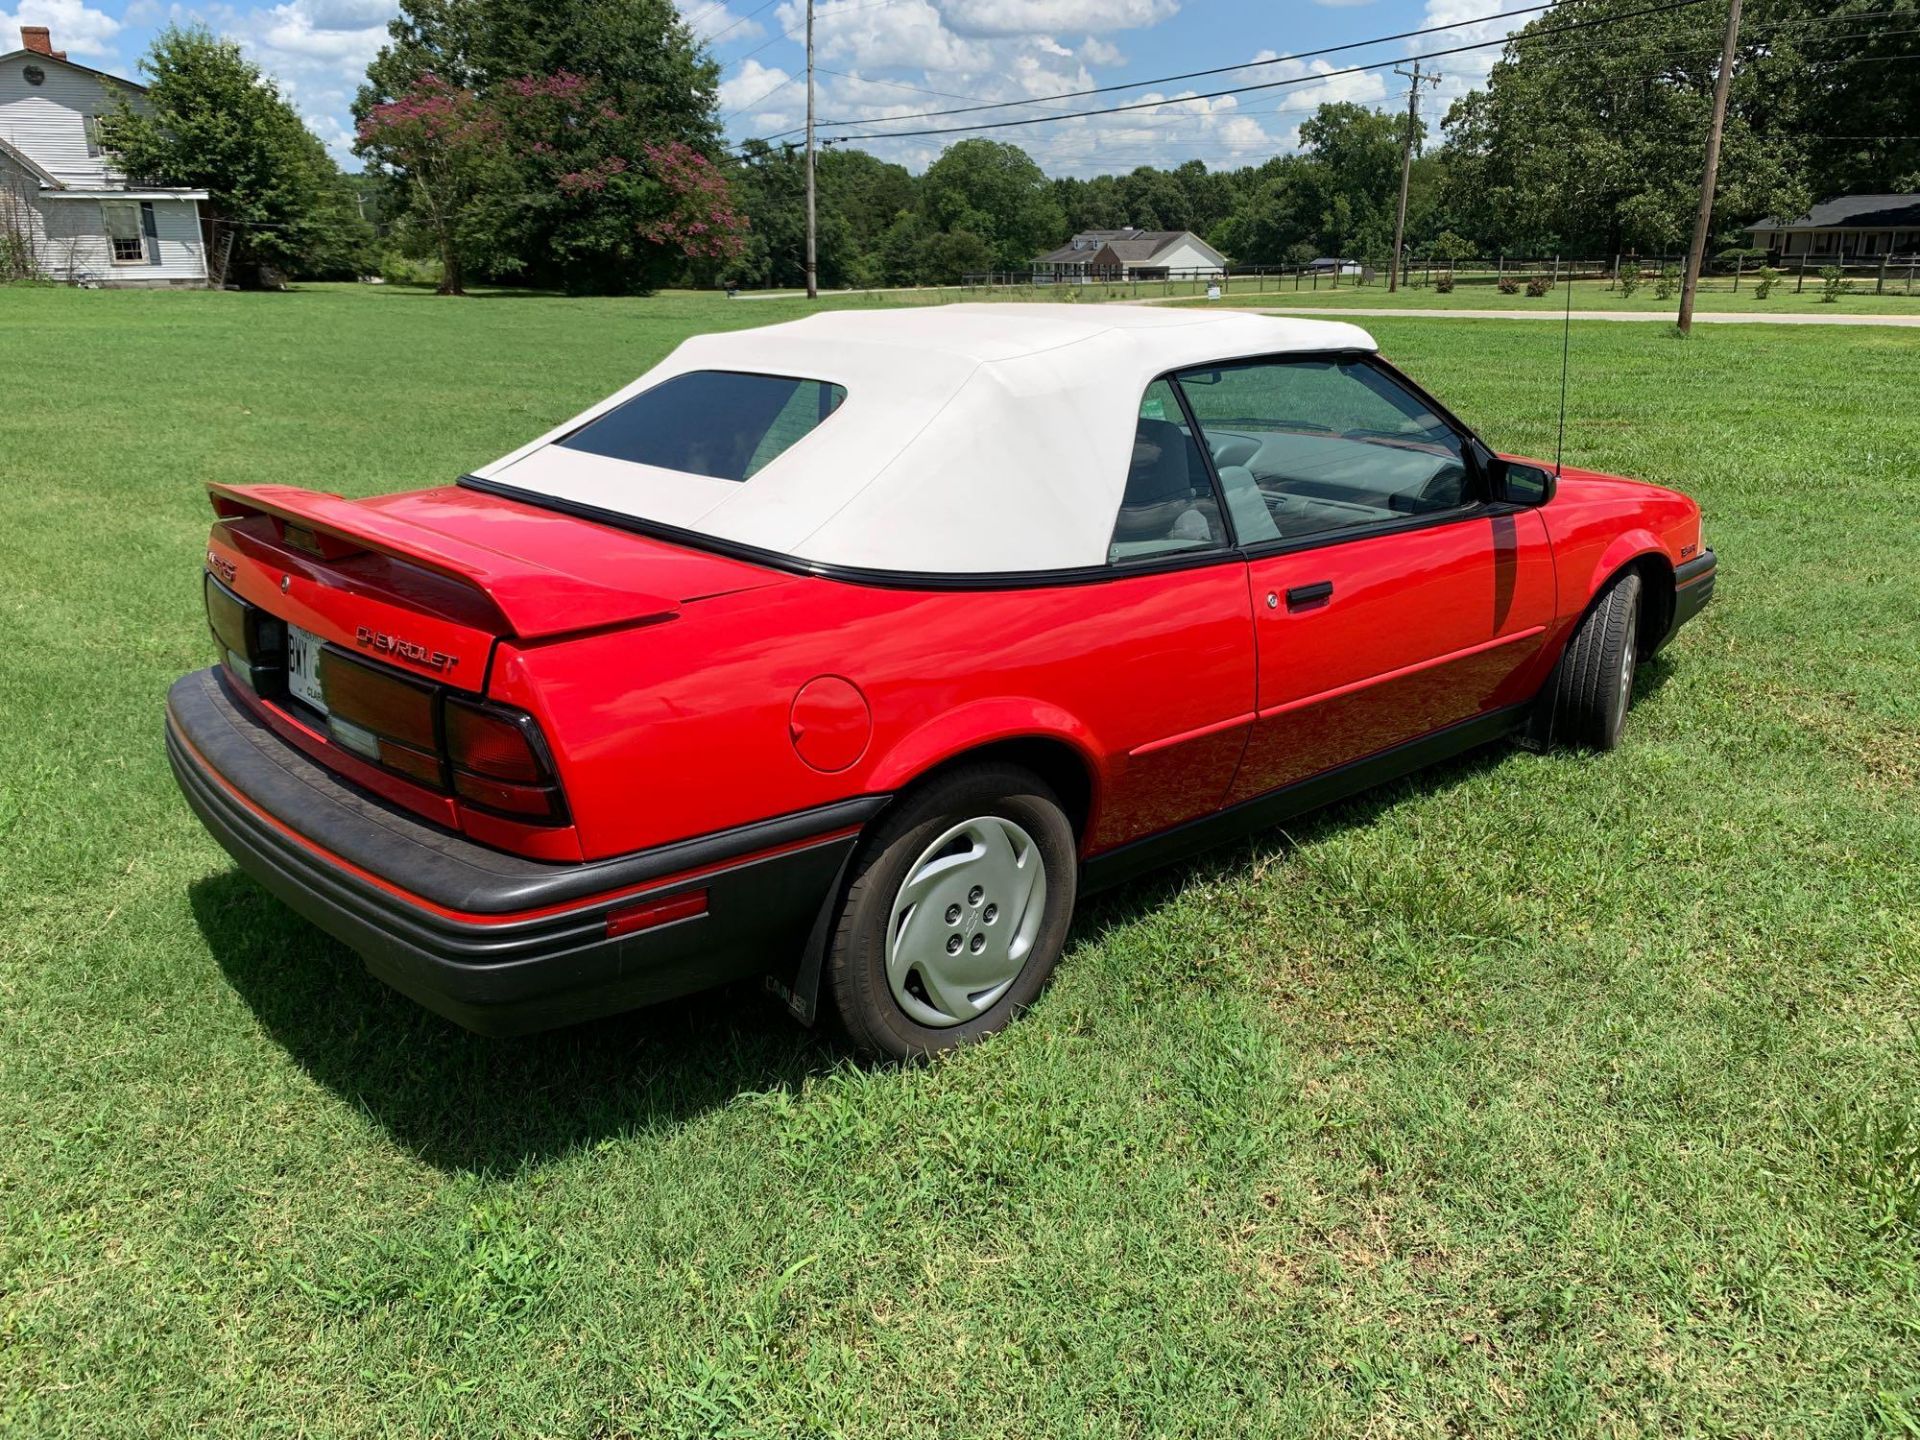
x=465, y=1102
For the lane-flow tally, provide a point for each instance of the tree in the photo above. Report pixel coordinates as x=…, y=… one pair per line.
x=995, y=194
x=593, y=84
x=214, y=122
x=1595, y=147
x=772, y=184
x=445, y=145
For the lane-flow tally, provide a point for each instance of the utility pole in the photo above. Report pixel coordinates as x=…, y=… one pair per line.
x=813, y=261
x=1704, y=220
x=1406, y=167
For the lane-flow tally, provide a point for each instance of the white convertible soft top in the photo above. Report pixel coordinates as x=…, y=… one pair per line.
x=974, y=439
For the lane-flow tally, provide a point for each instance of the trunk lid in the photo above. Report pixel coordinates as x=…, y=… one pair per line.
x=428, y=580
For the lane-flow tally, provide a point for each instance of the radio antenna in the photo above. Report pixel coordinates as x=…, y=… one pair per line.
x=1566, y=344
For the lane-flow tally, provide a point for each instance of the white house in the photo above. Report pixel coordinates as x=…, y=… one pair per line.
x=1853, y=227
x=1130, y=254
x=65, y=212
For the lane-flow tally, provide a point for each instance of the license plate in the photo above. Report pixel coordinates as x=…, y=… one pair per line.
x=303, y=668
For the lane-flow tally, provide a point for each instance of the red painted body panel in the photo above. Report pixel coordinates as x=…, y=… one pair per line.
x=685, y=728
x=691, y=692
x=1423, y=629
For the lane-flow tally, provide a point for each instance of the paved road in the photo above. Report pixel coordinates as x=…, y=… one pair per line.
x=1651, y=317
x=1655, y=317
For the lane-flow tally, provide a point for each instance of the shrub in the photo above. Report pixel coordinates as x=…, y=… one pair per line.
x=1668, y=285
x=1538, y=286
x=1630, y=280
x=1833, y=284
x=1443, y=284
x=1765, y=281
x=1509, y=285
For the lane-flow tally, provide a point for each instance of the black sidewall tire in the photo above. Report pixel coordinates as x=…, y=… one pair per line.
x=1586, y=683
x=856, y=963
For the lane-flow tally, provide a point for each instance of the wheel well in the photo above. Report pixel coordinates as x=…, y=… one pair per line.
x=1054, y=761
x=1656, y=599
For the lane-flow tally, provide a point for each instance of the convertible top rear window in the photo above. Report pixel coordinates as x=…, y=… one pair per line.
x=722, y=423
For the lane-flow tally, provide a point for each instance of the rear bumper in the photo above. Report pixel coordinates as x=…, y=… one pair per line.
x=500, y=944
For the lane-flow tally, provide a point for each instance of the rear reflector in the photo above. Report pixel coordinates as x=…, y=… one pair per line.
x=649, y=913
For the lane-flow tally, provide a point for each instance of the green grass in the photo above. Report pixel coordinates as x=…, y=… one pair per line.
x=1472, y=292
x=1481, y=293
x=1540, y=1095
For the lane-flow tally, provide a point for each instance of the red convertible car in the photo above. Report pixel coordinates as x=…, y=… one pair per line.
x=853, y=651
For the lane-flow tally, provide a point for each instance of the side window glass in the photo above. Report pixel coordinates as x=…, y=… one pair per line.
x=1168, y=505
x=1304, y=447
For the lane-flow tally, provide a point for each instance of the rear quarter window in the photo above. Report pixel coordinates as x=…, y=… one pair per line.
x=721, y=423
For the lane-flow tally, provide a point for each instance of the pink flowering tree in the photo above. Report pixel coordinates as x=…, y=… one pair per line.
x=614, y=209
x=448, y=146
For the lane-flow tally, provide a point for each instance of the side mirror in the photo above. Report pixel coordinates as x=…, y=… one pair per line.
x=1521, y=484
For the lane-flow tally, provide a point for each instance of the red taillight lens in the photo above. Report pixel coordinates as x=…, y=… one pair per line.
x=500, y=762
x=493, y=742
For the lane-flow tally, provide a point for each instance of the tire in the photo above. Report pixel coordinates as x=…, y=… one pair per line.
x=1593, y=684
x=948, y=867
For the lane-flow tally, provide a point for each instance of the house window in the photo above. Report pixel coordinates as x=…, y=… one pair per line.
x=91, y=125
x=124, y=231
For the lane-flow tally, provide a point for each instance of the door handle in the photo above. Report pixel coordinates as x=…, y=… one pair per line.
x=1301, y=596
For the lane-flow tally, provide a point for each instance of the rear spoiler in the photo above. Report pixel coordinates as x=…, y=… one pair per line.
x=536, y=602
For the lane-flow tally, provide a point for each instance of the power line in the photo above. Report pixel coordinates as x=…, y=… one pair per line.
x=1199, y=74
x=715, y=37
x=1778, y=28
x=1671, y=5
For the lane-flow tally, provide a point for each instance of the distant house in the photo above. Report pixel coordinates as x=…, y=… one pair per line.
x=1854, y=227
x=62, y=201
x=1332, y=265
x=1130, y=254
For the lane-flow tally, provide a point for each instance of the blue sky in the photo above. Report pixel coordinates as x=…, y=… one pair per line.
x=880, y=58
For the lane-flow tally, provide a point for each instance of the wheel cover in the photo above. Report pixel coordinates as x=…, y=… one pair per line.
x=964, y=921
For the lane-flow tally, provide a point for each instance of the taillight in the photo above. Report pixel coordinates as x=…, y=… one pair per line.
x=382, y=716
x=492, y=757
x=500, y=761
x=253, y=644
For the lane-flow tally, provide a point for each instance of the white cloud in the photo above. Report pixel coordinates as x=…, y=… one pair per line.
x=712, y=19
x=1095, y=51
x=753, y=84
x=77, y=27
x=1461, y=73
x=1028, y=17
x=318, y=51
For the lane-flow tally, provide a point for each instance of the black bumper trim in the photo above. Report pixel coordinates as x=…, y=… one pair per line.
x=439, y=866
x=1692, y=588
x=511, y=976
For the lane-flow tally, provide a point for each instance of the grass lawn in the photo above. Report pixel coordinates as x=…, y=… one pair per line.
x=1480, y=293
x=1539, y=1095
x=1477, y=292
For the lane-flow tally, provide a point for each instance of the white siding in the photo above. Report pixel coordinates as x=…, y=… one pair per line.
x=1187, y=255
x=47, y=123
x=20, y=219
x=75, y=247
